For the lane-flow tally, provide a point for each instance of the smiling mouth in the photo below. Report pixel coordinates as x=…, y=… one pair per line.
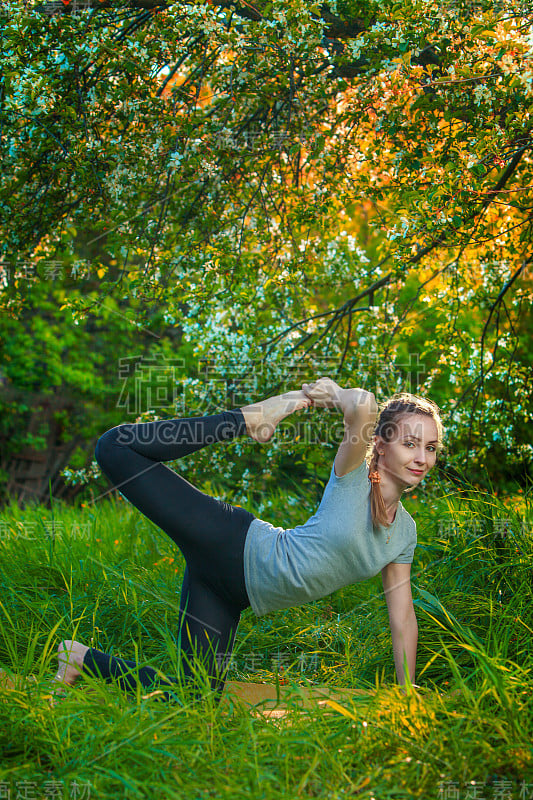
x=416, y=471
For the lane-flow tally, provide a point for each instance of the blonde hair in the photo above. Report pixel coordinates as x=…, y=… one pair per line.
x=399, y=404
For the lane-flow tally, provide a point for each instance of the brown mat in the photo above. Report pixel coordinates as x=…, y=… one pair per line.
x=269, y=700
x=264, y=699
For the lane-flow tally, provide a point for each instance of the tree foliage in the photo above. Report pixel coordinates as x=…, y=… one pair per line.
x=304, y=187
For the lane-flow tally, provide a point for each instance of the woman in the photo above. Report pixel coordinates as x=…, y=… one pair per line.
x=235, y=560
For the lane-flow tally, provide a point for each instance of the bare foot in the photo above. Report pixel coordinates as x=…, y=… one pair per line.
x=262, y=418
x=70, y=655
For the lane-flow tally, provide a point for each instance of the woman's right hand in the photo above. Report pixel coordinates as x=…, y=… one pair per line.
x=324, y=393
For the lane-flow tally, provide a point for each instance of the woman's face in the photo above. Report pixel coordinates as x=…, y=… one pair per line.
x=411, y=452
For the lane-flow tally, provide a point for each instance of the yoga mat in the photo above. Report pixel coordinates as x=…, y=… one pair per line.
x=269, y=700
x=263, y=699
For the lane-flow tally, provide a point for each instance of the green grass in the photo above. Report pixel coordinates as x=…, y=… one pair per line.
x=105, y=575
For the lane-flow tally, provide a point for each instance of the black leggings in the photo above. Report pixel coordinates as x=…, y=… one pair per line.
x=210, y=534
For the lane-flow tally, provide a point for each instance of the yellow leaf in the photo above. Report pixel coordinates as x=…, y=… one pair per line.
x=339, y=708
x=100, y=273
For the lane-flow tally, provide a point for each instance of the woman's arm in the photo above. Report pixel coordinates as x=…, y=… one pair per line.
x=404, y=627
x=404, y=641
x=360, y=410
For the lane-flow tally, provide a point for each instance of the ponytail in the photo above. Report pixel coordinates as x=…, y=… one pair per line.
x=377, y=503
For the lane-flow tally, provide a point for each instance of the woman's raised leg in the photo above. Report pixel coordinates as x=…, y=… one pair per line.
x=209, y=532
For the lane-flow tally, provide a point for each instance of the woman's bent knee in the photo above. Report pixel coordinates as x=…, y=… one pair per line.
x=106, y=444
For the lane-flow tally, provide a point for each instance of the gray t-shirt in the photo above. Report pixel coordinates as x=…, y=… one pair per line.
x=337, y=546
